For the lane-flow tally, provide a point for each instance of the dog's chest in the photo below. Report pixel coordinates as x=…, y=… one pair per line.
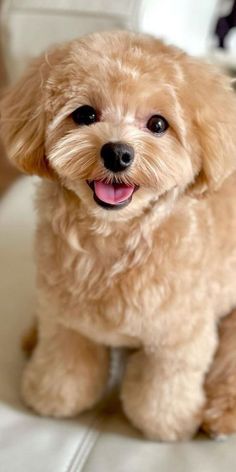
x=107, y=296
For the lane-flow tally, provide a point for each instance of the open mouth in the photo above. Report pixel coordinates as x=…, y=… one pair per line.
x=112, y=196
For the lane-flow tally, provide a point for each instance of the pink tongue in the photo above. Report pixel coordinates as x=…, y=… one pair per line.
x=112, y=193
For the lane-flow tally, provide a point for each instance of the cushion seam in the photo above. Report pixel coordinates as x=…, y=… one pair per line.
x=85, y=447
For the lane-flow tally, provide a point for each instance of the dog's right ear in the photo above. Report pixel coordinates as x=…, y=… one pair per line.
x=22, y=122
x=213, y=110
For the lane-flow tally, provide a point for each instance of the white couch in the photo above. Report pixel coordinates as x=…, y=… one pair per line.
x=102, y=440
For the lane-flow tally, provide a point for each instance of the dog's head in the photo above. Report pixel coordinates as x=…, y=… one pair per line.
x=122, y=121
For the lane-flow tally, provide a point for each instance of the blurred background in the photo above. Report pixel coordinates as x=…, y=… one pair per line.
x=204, y=28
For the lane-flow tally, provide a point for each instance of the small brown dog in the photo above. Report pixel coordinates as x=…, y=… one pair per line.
x=129, y=133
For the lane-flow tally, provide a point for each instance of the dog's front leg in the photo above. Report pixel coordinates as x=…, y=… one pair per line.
x=163, y=392
x=67, y=373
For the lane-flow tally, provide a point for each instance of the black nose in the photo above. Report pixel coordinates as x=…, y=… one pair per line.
x=117, y=156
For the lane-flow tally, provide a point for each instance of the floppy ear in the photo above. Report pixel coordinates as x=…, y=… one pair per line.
x=23, y=121
x=213, y=104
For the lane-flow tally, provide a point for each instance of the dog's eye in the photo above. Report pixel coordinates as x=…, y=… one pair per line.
x=157, y=124
x=85, y=115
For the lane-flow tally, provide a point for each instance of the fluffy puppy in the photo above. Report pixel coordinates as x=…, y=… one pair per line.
x=128, y=134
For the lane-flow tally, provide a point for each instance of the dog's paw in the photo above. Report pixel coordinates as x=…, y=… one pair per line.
x=61, y=393
x=219, y=420
x=158, y=405
x=159, y=425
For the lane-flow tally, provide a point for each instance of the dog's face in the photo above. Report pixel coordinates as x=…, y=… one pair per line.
x=116, y=130
x=122, y=121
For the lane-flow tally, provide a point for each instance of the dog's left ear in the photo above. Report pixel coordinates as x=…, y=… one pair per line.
x=22, y=121
x=213, y=108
